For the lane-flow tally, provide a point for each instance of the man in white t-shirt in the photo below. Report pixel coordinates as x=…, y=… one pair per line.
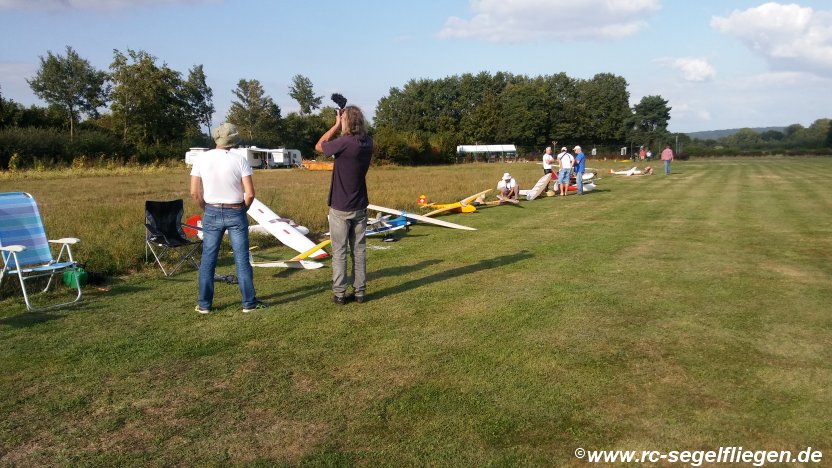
x=508, y=189
x=548, y=162
x=565, y=162
x=221, y=185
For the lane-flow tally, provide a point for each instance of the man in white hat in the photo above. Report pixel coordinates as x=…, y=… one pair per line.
x=508, y=188
x=221, y=185
x=580, y=167
x=565, y=162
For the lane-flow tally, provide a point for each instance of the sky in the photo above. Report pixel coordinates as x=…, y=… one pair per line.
x=720, y=63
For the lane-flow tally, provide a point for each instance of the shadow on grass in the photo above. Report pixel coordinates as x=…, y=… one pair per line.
x=481, y=265
x=28, y=319
x=326, y=286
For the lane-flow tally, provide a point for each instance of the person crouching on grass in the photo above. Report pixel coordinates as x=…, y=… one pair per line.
x=221, y=185
x=508, y=188
x=348, y=200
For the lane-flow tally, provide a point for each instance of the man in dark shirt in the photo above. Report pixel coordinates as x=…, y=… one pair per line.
x=348, y=200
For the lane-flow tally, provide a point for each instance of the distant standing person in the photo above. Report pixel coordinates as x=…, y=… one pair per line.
x=565, y=162
x=221, y=185
x=548, y=162
x=667, y=156
x=348, y=200
x=580, y=167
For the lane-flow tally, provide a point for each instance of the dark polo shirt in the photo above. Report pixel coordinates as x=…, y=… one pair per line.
x=348, y=188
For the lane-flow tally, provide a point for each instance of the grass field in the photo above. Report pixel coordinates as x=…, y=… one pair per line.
x=657, y=313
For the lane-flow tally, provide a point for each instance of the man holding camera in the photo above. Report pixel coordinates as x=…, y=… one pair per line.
x=348, y=200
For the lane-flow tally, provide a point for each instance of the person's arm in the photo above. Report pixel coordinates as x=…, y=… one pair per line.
x=248, y=188
x=330, y=134
x=196, y=191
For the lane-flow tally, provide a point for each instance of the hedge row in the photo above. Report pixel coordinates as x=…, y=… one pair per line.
x=29, y=147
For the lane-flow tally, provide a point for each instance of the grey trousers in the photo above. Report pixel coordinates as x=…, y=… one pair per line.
x=347, y=230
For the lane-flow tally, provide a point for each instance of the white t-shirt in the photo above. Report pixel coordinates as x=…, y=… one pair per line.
x=221, y=172
x=548, y=160
x=502, y=184
x=566, y=160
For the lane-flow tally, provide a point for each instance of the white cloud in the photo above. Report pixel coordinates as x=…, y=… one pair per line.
x=790, y=37
x=523, y=20
x=693, y=69
x=88, y=4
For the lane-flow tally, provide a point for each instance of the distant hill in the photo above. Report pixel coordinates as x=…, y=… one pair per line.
x=717, y=134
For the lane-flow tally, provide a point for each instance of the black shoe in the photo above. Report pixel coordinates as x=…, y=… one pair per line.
x=340, y=300
x=358, y=298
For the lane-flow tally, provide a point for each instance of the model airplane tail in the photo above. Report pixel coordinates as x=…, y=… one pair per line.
x=283, y=231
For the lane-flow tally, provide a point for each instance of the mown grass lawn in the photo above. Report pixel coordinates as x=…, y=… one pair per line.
x=657, y=313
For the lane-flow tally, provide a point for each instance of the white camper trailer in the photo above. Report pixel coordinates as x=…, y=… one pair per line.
x=258, y=158
x=283, y=157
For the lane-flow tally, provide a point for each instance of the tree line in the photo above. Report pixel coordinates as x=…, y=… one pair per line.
x=141, y=109
x=794, y=139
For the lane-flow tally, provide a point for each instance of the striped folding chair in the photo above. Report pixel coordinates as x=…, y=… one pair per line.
x=25, y=249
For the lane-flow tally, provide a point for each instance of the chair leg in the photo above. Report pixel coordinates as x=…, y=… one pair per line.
x=28, y=302
x=169, y=252
x=186, y=257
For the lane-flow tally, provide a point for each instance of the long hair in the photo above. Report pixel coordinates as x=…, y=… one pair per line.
x=353, y=122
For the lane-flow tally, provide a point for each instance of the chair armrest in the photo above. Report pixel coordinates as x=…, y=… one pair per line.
x=65, y=240
x=13, y=248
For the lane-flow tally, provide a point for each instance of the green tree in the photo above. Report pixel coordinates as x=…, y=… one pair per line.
x=829, y=137
x=255, y=114
x=605, y=109
x=71, y=83
x=649, y=121
x=746, y=138
x=149, y=100
x=772, y=135
x=301, y=91
x=199, y=97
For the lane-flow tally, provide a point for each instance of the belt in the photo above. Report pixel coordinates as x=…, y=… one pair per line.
x=226, y=205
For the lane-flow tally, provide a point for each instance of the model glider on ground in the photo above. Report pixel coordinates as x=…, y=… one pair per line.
x=462, y=206
x=282, y=230
x=412, y=217
x=634, y=171
x=298, y=261
x=383, y=224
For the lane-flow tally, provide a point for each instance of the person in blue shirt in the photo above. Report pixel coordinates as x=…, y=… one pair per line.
x=580, y=167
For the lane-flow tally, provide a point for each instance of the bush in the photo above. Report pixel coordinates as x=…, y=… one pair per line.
x=31, y=144
x=96, y=144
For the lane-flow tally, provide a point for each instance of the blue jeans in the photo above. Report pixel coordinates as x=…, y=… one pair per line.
x=563, y=176
x=215, y=221
x=579, y=180
x=666, y=166
x=347, y=230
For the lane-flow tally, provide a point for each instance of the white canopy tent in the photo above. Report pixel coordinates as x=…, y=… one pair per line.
x=487, y=152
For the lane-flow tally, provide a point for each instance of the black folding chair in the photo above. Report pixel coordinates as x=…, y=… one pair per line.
x=165, y=238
